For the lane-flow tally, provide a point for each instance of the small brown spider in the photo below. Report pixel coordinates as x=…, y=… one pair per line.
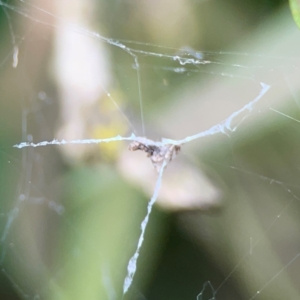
x=157, y=154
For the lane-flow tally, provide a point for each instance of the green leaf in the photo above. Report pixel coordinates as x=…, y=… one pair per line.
x=295, y=8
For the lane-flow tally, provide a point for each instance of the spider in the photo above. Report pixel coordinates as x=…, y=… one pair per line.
x=156, y=154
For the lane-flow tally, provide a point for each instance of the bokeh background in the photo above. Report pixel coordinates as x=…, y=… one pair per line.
x=226, y=224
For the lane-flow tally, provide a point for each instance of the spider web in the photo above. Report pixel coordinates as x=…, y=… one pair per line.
x=73, y=219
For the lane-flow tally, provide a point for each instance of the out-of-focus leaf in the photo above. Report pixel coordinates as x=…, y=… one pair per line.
x=295, y=8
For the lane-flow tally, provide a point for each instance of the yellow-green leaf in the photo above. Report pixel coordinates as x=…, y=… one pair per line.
x=295, y=8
